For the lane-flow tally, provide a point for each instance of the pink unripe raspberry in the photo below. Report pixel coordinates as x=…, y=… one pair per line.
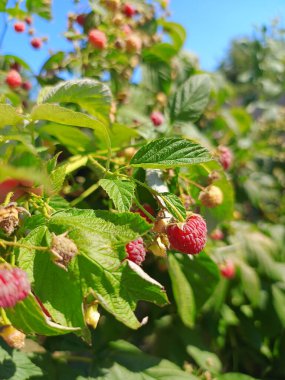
x=189, y=237
x=126, y=29
x=136, y=251
x=14, y=286
x=129, y=10
x=228, y=269
x=19, y=27
x=225, y=156
x=157, y=118
x=98, y=39
x=13, y=79
x=217, y=234
x=27, y=86
x=80, y=19
x=36, y=42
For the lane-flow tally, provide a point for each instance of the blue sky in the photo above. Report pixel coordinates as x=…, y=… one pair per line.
x=210, y=25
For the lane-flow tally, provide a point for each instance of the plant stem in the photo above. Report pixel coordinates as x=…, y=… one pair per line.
x=85, y=194
x=4, y=317
x=151, y=217
x=5, y=243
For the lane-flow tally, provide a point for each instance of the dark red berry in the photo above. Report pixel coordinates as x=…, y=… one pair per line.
x=28, y=20
x=129, y=10
x=189, y=237
x=149, y=209
x=13, y=79
x=36, y=42
x=157, y=118
x=19, y=27
x=27, y=86
x=136, y=251
x=98, y=39
x=14, y=286
x=80, y=19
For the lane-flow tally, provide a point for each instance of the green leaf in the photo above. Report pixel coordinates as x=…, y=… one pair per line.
x=57, y=177
x=57, y=289
x=205, y=359
x=174, y=205
x=184, y=299
x=16, y=365
x=175, y=31
x=61, y=115
x=120, y=135
x=91, y=95
x=40, y=7
x=250, y=283
x=278, y=295
x=170, y=152
x=121, y=192
x=235, y=376
x=160, y=52
x=190, y=99
x=101, y=238
x=3, y=4
x=9, y=115
x=124, y=361
x=28, y=316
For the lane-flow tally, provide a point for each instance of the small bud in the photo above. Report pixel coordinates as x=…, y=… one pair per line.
x=158, y=248
x=13, y=337
x=9, y=217
x=92, y=315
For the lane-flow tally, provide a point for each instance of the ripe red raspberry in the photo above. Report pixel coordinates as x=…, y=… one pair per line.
x=14, y=286
x=129, y=10
x=217, y=234
x=212, y=196
x=189, y=237
x=19, y=27
x=29, y=20
x=228, y=269
x=27, y=86
x=13, y=79
x=225, y=156
x=149, y=209
x=136, y=251
x=36, y=42
x=157, y=118
x=80, y=19
x=98, y=39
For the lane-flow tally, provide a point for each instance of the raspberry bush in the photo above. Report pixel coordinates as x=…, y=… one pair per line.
x=141, y=219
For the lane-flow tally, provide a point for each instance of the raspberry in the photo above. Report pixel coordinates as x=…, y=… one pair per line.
x=13, y=79
x=225, y=157
x=129, y=10
x=217, y=234
x=80, y=19
x=149, y=209
x=13, y=337
x=36, y=42
x=136, y=251
x=28, y=20
x=157, y=118
x=19, y=27
x=133, y=44
x=27, y=86
x=97, y=38
x=63, y=250
x=14, y=286
x=228, y=269
x=189, y=237
x=126, y=29
x=212, y=196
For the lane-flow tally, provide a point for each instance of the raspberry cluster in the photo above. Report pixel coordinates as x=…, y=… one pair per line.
x=14, y=286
